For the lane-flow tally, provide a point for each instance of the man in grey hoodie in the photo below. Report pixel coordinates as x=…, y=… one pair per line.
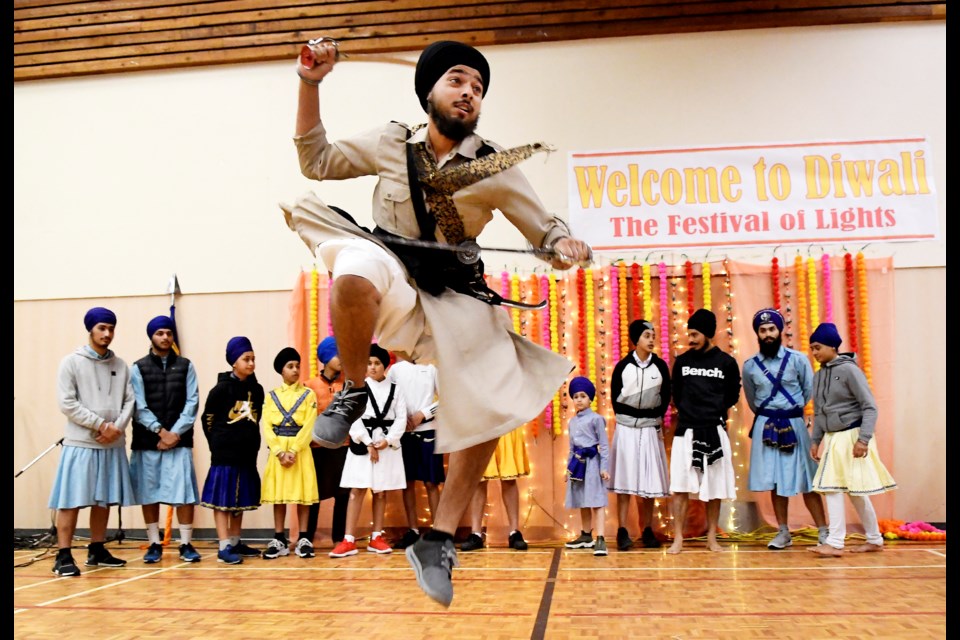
x=94, y=392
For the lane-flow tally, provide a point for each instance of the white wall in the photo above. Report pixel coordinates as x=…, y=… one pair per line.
x=101, y=164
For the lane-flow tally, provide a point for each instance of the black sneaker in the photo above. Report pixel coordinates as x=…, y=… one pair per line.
x=649, y=540
x=623, y=539
x=331, y=427
x=600, y=548
x=433, y=562
x=100, y=557
x=473, y=542
x=66, y=566
x=583, y=541
x=245, y=551
x=517, y=542
x=408, y=539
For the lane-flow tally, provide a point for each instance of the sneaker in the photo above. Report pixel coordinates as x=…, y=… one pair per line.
x=822, y=534
x=304, y=548
x=275, y=549
x=473, y=542
x=229, y=556
x=154, y=553
x=781, y=541
x=331, y=427
x=188, y=553
x=408, y=539
x=102, y=558
x=344, y=549
x=379, y=545
x=517, y=542
x=433, y=562
x=583, y=541
x=600, y=548
x=246, y=551
x=649, y=539
x=623, y=539
x=66, y=566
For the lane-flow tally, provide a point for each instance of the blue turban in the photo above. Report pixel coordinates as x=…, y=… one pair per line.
x=236, y=348
x=97, y=315
x=327, y=350
x=581, y=383
x=767, y=316
x=160, y=322
x=381, y=354
x=826, y=334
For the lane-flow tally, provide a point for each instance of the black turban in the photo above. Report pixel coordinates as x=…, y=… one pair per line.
x=287, y=354
x=439, y=57
x=703, y=321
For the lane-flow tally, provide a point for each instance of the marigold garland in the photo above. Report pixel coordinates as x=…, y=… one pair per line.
x=664, y=323
x=515, y=295
x=787, y=310
x=775, y=281
x=614, y=313
x=555, y=347
x=814, y=305
x=688, y=281
x=850, y=280
x=705, y=278
x=622, y=309
x=802, y=320
x=313, y=314
x=864, y=317
x=647, y=306
x=637, y=291
x=582, y=321
x=591, y=330
x=827, y=288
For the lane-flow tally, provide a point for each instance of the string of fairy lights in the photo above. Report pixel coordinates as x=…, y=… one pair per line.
x=589, y=311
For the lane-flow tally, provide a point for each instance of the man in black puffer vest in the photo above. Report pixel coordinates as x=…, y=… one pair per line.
x=161, y=460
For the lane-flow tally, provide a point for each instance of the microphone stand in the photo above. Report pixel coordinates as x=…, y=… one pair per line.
x=51, y=533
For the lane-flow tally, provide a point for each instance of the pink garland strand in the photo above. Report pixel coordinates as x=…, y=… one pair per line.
x=827, y=289
x=615, y=311
x=664, y=326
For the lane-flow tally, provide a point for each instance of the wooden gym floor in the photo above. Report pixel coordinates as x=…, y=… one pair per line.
x=744, y=592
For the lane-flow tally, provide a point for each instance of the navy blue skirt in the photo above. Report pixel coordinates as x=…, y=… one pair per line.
x=229, y=488
x=419, y=460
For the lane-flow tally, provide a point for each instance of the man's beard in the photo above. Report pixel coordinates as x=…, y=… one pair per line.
x=770, y=349
x=453, y=128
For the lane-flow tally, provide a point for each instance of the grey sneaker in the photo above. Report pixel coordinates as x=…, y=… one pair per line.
x=433, y=562
x=782, y=540
x=331, y=427
x=584, y=541
x=600, y=548
x=822, y=534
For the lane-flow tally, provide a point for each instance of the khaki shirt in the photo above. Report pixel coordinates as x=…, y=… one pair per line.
x=382, y=152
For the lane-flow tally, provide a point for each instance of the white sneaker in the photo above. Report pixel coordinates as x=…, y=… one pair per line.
x=275, y=549
x=304, y=548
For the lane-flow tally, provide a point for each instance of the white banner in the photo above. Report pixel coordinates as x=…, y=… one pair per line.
x=748, y=195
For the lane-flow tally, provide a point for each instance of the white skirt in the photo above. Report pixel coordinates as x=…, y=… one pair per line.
x=638, y=463
x=716, y=482
x=386, y=475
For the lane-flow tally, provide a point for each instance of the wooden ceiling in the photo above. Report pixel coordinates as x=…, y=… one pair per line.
x=63, y=38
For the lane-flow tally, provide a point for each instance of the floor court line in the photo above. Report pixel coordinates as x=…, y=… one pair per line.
x=95, y=589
